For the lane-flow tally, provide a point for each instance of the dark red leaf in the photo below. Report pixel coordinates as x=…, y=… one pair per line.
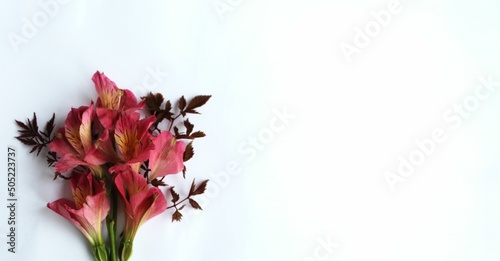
x=175, y=196
x=153, y=102
x=158, y=183
x=177, y=216
x=197, y=134
x=182, y=103
x=194, y=204
x=197, y=102
x=189, y=126
x=189, y=152
x=200, y=189
x=49, y=127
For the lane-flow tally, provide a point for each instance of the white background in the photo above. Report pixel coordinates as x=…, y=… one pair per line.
x=322, y=176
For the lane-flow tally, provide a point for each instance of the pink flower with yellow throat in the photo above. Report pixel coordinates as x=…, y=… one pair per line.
x=112, y=100
x=82, y=142
x=88, y=209
x=133, y=140
x=141, y=203
x=166, y=157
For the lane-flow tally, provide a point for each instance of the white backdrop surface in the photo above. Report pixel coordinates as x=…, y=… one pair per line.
x=315, y=106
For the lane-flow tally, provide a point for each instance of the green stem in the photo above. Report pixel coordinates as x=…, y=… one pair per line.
x=111, y=222
x=112, y=239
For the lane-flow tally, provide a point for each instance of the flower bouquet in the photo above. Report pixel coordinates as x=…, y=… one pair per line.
x=118, y=150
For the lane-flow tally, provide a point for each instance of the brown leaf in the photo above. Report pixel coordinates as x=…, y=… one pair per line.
x=200, y=189
x=157, y=183
x=177, y=216
x=59, y=175
x=189, y=126
x=28, y=142
x=182, y=103
x=192, y=189
x=197, y=102
x=168, y=108
x=176, y=131
x=51, y=158
x=197, y=134
x=153, y=102
x=39, y=149
x=34, y=123
x=30, y=134
x=22, y=125
x=189, y=152
x=175, y=196
x=49, y=126
x=194, y=204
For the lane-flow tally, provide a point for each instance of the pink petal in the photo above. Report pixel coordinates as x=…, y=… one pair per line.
x=126, y=135
x=60, y=145
x=105, y=146
x=96, y=157
x=93, y=212
x=103, y=85
x=86, y=128
x=81, y=187
x=144, y=125
x=132, y=137
x=129, y=100
x=61, y=207
x=146, y=144
x=133, y=182
x=167, y=156
x=128, y=184
x=109, y=94
x=148, y=205
x=117, y=168
x=72, y=128
x=107, y=117
x=68, y=162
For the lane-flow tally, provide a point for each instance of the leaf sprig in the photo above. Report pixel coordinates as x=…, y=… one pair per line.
x=31, y=135
x=164, y=111
x=195, y=190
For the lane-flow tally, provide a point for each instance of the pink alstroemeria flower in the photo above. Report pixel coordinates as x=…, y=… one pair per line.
x=141, y=203
x=166, y=157
x=89, y=209
x=81, y=142
x=132, y=139
x=112, y=100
